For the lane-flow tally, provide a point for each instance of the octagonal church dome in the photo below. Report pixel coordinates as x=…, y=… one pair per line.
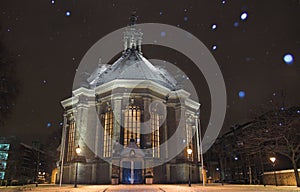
x=132, y=65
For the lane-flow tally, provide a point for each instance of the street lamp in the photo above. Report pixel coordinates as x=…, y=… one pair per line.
x=78, y=151
x=189, y=151
x=273, y=159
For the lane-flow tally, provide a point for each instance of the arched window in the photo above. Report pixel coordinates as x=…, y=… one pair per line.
x=108, y=132
x=71, y=140
x=132, y=125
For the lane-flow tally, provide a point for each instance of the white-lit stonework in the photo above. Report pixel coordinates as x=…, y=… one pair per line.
x=123, y=116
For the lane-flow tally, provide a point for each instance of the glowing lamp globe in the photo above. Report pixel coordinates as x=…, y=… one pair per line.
x=273, y=159
x=78, y=150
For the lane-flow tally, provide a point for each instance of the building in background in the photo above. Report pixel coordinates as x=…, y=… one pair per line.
x=251, y=153
x=228, y=162
x=5, y=145
x=118, y=118
x=20, y=163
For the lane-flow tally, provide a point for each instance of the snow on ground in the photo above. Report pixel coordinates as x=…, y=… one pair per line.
x=150, y=188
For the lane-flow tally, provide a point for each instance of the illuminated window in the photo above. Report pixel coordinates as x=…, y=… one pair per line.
x=155, y=134
x=3, y=156
x=4, y=147
x=108, y=132
x=71, y=141
x=132, y=125
x=3, y=165
x=2, y=174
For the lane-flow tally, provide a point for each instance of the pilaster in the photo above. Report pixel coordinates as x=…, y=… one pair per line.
x=117, y=111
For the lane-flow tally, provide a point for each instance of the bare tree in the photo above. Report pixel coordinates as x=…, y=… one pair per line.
x=276, y=131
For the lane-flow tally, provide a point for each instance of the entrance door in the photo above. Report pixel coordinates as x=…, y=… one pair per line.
x=136, y=170
x=138, y=174
x=126, y=172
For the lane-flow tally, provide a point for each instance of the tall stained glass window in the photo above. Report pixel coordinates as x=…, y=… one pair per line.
x=132, y=125
x=71, y=140
x=155, y=120
x=108, y=132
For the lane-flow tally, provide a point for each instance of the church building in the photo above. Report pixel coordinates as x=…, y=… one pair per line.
x=131, y=121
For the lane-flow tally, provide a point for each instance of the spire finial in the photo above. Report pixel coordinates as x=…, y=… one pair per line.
x=133, y=18
x=132, y=36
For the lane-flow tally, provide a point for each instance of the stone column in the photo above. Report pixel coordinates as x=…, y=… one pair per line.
x=95, y=124
x=82, y=133
x=63, y=146
x=94, y=173
x=117, y=111
x=197, y=139
x=166, y=138
x=180, y=112
x=98, y=131
x=168, y=172
x=146, y=138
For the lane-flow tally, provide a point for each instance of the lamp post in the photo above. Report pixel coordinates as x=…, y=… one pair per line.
x=36, y=145
x=200, y=148
x=189, y=151
x=273, y=159
x=78, y=151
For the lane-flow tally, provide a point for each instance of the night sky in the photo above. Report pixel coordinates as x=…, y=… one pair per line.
x=256, y=44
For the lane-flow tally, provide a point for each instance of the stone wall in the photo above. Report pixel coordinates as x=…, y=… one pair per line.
x=284, y=177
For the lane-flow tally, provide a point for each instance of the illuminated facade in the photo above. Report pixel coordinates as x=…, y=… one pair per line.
x=123, y=116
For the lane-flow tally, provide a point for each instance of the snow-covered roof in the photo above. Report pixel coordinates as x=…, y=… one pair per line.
x=131, y=65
